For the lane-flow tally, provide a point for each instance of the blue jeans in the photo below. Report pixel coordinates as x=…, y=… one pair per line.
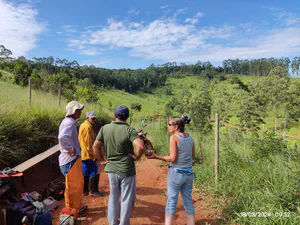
x=89, y=168
x=126, y=187
x=65, y=168
x=183, y=183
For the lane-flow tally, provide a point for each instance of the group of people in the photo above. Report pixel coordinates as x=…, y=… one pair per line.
x=114, y=147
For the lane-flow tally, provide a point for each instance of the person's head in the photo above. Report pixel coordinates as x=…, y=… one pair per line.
x=122, y=113
x=176, y=123
x=74, y=109
x=91, y=117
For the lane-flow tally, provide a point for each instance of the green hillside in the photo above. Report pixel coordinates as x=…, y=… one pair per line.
x=256, y=171
x=28, y=130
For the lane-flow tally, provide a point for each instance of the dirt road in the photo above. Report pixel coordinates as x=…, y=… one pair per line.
x=151, y=199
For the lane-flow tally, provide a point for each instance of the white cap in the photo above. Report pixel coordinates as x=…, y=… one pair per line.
x=90, y=115
x=72, y=106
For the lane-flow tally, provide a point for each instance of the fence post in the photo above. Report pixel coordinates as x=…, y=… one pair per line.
x=201, y=152
x=285, y=123
x=153, y=122
x=29, y=85
x=217, y=148
x=168, y=135
x=59, y=95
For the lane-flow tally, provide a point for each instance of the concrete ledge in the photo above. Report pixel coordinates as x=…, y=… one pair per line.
x=36, y=159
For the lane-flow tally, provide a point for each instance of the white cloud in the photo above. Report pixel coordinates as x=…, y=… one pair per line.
x=164, y=6
x=69, y=29
x=19, y=27
x=199, y=14
x=192, y=21
x=285, y=17
x=91, y=51
x=180, y=11
x=168, y=39
x=134, y=11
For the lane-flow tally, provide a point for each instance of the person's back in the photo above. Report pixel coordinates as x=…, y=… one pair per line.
x=185, y=151
x=181, y=174
x=118, y=139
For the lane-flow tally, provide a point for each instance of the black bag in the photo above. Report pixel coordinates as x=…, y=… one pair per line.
x=55, y=189
x=15, y=213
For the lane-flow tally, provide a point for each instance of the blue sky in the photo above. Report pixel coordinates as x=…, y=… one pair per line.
x=134, y=34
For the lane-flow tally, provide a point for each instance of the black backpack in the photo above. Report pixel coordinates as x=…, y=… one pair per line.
x=15, y=213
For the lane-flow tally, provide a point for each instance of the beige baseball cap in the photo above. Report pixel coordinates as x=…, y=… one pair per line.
x=90, y=115
x=72, y=106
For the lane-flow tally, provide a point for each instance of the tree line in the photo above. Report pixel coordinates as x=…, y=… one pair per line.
x=50, y=74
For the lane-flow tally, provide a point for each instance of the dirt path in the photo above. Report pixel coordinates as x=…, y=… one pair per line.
x=151, y=199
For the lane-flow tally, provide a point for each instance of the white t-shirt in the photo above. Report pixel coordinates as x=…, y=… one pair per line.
x=68, y=141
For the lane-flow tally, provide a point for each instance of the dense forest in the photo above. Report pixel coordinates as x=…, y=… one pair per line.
x=49, y=74
x=275, y=96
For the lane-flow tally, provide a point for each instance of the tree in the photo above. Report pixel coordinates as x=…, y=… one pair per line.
x=21, y=72
x=295, y=66
x=5, y=52
x=224, y=95
x=134, y=107
x=276, y=86
x=198, y=106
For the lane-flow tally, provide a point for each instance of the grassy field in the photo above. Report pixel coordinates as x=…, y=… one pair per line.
x=28, y=130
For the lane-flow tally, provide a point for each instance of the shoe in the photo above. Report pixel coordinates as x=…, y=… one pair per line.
x=83, y=211
x=93, y=186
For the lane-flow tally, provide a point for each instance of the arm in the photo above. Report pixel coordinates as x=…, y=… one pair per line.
x=139, y=145
x=193, y=151
x=173, y=151
x=97, y=148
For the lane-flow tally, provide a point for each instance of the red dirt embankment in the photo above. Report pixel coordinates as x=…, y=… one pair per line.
x=151, y=200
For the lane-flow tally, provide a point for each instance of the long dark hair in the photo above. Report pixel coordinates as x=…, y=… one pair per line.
x=180, y=121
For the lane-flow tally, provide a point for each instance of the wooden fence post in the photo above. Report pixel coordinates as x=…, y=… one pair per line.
x=217, y=148
x=29, y=85
x=201, y=152
x=168, y=135
x=59, y=95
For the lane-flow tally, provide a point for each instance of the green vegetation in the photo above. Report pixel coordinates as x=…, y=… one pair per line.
x=259, y=170
x=258, y=183
x=26, y=131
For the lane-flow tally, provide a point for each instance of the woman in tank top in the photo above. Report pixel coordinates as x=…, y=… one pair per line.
x=181, y=175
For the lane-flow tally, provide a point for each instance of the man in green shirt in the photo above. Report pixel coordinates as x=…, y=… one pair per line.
x=117, y=139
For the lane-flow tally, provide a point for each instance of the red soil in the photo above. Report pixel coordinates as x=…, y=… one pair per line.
x=150, y=204
x=151, y=195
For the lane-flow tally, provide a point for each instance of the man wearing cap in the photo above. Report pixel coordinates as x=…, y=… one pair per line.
x=89, y=166
x=118, y=139
x=69, y=158
x=68, y=137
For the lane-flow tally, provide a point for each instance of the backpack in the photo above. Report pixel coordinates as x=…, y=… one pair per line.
x=55, y=189
x=15, y=213
x=44, y=218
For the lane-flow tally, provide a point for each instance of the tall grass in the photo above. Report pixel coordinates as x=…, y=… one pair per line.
x=26, y=131
x=258, y=184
